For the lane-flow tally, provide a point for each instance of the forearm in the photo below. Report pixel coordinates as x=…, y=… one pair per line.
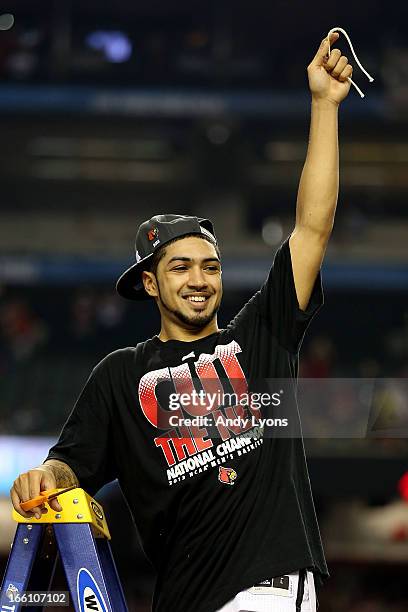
x=319, y=183
x=63, y=474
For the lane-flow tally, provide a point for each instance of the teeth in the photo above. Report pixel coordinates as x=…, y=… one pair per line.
x=196, y=298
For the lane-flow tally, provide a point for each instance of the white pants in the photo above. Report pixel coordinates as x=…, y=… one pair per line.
x=269, y=599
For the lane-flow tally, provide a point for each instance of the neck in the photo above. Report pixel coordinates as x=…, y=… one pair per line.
x=173, y=331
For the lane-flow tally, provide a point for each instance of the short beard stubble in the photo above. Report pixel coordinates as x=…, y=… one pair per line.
x=196, y=321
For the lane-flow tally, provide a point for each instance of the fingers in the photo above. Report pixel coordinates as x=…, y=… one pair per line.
x=324, y=45
x=29, y=485
x=324, y=48
x=346, y=73
x=332, y=38
x=34, y=484
x=55, y=505
x=15, y=500
x=338, y=66
x=332, y=60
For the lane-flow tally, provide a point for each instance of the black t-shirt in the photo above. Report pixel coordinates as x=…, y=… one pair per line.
x=215, y=514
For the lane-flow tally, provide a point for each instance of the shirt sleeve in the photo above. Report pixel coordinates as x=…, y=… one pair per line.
x=84, y=443
x=277, y=305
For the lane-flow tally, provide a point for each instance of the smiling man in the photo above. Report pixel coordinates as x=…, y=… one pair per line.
x=185, y=279
x=223, y=507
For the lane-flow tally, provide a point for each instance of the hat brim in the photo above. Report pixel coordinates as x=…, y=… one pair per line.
x=130, y=285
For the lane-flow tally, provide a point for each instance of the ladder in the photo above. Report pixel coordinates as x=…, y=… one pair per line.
x=82, y=540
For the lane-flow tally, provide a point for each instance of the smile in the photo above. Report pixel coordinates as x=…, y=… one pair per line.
x=196, y=298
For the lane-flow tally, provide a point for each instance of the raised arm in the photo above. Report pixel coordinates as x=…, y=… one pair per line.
x=50, y=475
x=319, y=183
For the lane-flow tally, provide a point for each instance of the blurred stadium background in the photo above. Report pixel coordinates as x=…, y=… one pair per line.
x=112, y=112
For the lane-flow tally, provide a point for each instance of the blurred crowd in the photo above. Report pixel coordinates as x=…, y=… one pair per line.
x=51, y=338
x=210, y=47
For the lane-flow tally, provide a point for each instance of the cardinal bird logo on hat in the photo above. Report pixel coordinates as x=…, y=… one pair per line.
x=227, y=475
x=152, y=234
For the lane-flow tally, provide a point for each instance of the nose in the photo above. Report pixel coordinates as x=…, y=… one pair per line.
x=196, y=278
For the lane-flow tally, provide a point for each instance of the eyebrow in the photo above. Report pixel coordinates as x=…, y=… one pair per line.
x=205, y=260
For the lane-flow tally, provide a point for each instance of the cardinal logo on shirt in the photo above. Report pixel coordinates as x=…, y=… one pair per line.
x=227, y=475
x=152, y=234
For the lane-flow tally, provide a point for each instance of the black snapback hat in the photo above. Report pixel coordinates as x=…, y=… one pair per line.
x=151, y=235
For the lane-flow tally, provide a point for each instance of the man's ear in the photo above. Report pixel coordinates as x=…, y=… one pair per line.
x=150, y=283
